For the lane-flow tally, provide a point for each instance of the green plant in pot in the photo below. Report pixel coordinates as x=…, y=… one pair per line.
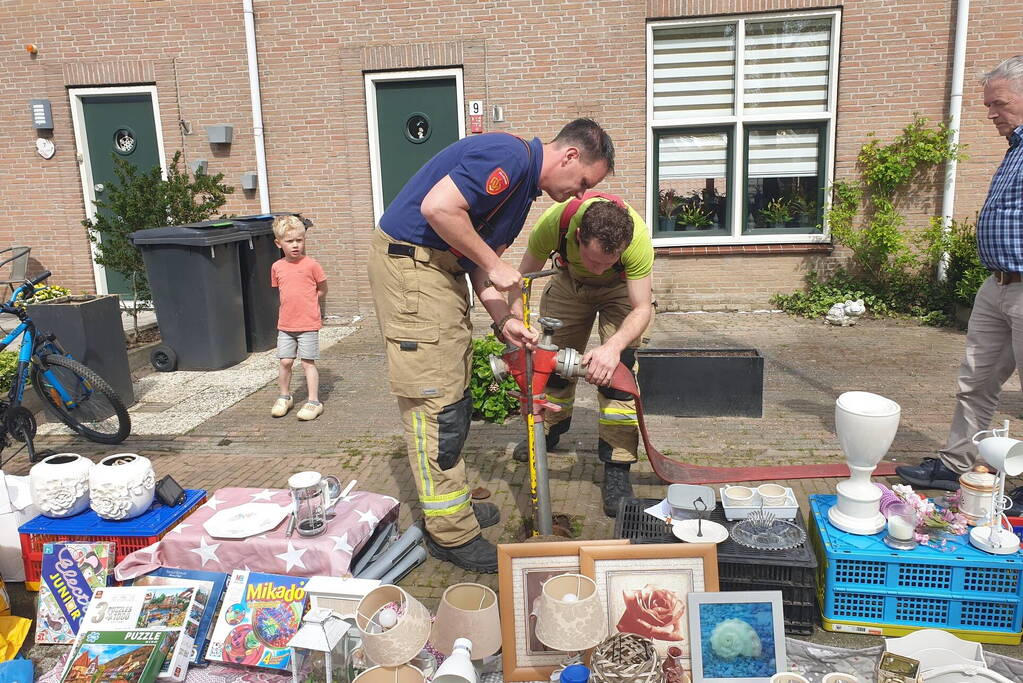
x=693, y=214
x=777, y=213
x=668, y=203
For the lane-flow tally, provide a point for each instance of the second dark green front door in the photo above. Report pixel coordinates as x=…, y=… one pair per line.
x=415, y=120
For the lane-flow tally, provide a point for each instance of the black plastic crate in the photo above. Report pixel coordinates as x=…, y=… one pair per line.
x=792, y=571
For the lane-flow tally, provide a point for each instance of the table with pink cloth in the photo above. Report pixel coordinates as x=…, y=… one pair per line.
x=189, y=546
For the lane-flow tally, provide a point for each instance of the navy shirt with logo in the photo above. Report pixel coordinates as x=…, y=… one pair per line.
x=487, y=169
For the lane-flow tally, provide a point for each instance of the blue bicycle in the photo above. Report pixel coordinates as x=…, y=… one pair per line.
x=78, y=396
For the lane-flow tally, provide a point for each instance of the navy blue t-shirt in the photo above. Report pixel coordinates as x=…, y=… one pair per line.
x=486, y=169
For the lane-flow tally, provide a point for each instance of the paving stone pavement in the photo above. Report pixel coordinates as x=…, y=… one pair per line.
x=807, y=365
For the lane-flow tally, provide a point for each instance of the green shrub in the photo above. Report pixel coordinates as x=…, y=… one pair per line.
x=8, y=364
x=43, y=293
x=820, y=296
x=490, y=399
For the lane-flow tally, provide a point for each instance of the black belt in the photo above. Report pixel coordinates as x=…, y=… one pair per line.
x=401, y=250
x=1004, y=278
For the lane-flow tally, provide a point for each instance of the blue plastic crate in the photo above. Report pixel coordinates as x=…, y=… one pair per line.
x=155, y=520
x=863, y=580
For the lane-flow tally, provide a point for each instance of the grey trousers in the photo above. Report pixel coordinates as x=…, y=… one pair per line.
x=994, y=349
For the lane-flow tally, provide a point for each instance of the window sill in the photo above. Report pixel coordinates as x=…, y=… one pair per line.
x=736, y=249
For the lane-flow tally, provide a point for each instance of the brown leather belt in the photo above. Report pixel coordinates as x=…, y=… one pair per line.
x=1003, y=278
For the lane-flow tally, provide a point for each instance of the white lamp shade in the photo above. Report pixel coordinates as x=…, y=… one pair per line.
x=391, y=674
x=866, y=425
x=397, y=644
x=468, y=610
x=569, y=616
x=1003, y=454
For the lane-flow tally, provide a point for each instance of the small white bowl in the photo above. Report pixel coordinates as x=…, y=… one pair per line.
x=738, y=496
x=773, y=495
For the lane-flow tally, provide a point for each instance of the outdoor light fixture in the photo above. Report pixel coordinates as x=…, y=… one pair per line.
x=865, y=424
x=1005, y=456
x=316, y=650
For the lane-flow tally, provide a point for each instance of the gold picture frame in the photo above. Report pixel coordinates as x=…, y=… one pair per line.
x=644, y=588
x=522, y=568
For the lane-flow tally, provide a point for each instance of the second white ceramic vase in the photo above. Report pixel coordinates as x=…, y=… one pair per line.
x=122, y=486
x=60, y=484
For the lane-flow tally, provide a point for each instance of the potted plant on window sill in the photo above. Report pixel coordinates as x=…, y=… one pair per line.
x=692, y=216
x=667, y=204
x=777, y=213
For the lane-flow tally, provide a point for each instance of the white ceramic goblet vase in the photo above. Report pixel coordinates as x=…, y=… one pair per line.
x=122, y=485
x=60, y=484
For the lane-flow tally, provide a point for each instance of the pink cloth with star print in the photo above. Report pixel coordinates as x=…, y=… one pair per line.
x=188, y=546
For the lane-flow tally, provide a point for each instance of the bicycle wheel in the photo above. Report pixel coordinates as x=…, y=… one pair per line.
x=95, y=410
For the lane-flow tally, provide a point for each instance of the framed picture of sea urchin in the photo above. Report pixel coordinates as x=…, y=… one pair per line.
x=738, y=637
x=644, y=588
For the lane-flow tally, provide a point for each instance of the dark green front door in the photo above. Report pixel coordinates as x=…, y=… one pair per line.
x=415, y=120
x=122, y=126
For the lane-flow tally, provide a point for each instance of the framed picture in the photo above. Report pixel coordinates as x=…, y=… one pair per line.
x=522, y=570
x=644, y=588
x=738, y=637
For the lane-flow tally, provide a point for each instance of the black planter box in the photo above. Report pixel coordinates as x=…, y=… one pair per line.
x=90, y=329
x=701, y=382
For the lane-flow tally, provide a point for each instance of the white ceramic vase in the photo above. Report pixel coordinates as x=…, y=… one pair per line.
x=60, y=484
x=122, y=486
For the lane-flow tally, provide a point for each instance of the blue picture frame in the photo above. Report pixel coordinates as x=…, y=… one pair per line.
x=738, y=636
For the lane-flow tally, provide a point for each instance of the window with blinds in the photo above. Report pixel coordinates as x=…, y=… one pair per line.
x=745, y=104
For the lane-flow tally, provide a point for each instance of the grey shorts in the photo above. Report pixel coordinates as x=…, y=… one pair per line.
x=304, y=345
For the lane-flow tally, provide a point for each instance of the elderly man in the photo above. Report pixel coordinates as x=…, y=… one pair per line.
x=994, y=342
x=457, y=214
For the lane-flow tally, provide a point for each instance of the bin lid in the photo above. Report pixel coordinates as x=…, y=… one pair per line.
x=201, y=234
x=262, y=224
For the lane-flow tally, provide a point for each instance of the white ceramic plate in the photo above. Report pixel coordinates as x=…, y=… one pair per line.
x=246, y=520
x=685, y=530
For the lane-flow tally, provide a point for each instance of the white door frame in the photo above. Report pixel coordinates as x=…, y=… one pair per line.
x=82, y=149
x=371, y=119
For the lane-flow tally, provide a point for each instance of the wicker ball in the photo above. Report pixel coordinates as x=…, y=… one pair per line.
x=625, y=657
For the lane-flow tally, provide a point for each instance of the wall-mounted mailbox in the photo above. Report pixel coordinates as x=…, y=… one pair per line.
x=42, y=116
x=220, y=135
x=250, y=181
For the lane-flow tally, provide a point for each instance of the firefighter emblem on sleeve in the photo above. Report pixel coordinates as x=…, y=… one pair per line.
x=497, y=182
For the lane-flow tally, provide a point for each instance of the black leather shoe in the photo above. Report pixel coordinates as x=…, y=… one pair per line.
x=478, y=555
x=487, y=514
x=929, y=474
x=616, y=486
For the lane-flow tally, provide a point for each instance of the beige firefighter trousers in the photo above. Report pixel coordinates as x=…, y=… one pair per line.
x=422, y=305
x=577, y=305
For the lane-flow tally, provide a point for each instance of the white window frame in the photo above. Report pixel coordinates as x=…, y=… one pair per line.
x=737, y=121
x=75, y=96
x=371, y=119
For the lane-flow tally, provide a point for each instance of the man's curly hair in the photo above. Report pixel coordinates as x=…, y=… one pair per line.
x=609, y=224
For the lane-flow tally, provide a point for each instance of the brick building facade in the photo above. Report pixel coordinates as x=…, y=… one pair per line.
x=543, y=63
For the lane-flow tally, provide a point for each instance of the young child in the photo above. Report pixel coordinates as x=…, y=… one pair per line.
x=302, y=284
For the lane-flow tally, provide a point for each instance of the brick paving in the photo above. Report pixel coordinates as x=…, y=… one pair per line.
x=807, y=365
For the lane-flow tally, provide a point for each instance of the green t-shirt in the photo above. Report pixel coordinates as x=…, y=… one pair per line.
x=638, y=257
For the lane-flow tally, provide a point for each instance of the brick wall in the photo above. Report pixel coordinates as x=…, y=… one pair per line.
x=544, y=62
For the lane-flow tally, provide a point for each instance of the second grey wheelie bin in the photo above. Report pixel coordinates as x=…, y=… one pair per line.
x=256, y=256
x=197, y=292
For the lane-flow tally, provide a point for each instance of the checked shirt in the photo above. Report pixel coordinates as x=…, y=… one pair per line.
x=1000, y=225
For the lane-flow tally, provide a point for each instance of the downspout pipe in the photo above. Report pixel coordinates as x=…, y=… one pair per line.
x=257, y=107
x=955, y=107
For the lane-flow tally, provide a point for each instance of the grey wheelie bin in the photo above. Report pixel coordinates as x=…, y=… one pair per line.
x=197, y=292
x=260, y=300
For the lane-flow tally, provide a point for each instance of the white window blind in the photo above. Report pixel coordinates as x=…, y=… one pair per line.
x=786, y=66
x=697, y=155
x=781, y=153
x=694, y=71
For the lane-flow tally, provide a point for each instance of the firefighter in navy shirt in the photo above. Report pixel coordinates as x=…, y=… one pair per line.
x=457, y=215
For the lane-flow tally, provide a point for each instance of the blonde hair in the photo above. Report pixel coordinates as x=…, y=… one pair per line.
x=285, y=224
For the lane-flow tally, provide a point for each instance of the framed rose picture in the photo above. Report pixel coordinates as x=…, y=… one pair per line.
x=738, y=637
x=644, y=588
x=522, y=570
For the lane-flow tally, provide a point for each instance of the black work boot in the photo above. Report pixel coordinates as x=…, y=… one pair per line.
x=478, y=555
x=521, y=452
x=487, y=514
x=929, y=474
x=615, y=487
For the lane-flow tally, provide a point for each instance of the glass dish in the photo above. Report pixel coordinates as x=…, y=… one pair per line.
x=779, y=534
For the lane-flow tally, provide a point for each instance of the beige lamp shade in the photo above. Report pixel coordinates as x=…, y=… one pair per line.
x=387, y=640
x=569, y=616
x=388, y=674
x=468, y=610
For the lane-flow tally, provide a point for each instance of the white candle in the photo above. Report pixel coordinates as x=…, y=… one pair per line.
x=900, y=528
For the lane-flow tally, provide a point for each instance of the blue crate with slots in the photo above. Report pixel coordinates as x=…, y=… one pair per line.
x=865, y=586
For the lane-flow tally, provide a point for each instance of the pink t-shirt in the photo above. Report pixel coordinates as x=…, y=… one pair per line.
x=300, y=307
